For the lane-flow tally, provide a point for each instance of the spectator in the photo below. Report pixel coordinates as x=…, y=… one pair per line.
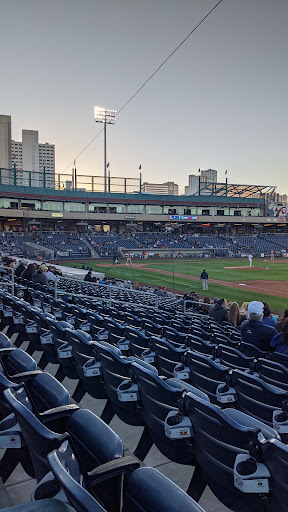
x=21, y=267
x=88, y=277
x=268, y=319
x=219, y=312
x=205, y=307
x=50, y=274
x=234, y=317
x=29, y=271
x=254, y=331
x=280, y=341
x=39, y=276
x=281, y=321
x=244, y=309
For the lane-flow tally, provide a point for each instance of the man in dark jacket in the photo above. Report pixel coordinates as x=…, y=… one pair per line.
x=21, y=267
x=254, y=331
x=204, y=279
x=219, y=312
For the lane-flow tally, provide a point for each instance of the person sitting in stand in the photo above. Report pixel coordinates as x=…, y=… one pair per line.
x=21, y=267
x=254, y=331
x=88, y=277
x=219, y=312
x=280, y=340
x=268, y=318
x=39, y=276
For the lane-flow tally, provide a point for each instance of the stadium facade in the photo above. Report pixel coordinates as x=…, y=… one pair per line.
x=228, y=208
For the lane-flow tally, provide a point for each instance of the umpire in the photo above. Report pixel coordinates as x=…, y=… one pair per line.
x=204, y=279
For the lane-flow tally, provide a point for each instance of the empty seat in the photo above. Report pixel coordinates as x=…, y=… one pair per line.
x=144, y=489
x=218, y=436
x=205, y=373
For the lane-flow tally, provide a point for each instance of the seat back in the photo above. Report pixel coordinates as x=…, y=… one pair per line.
x=273, y=373
x=115, y=369
x=167, y=356
x=174, y=336
x=275, y=457
x=218, y=436
x=233, y=358
x=199, y=345
x=40, y=439
x=205, y=374
x=251, y=350
x=5, y=342
x=280, y=358
x=141, y=494
x=67, y=473
x=256, y=397
x=17, y=361
x=138, y=341
x=158, y=398
x=94, y=442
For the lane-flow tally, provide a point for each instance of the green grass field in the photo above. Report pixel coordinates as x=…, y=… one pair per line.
x=278, y=271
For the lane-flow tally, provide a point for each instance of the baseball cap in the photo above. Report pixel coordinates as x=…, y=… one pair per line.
x=23, y=261
x=256, y=307
x=43, y=267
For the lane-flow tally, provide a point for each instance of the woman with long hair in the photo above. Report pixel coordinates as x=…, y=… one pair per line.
x=205, y=307
x=234, y=316
x=280, y=341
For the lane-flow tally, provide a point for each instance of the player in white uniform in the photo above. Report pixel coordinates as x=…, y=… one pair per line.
x=250, y=258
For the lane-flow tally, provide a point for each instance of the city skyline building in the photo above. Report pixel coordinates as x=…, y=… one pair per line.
x=167, y=188
x=198, y=181
x=30, y=155
x=5, y=141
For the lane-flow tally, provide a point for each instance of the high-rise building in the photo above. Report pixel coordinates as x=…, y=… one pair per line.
x=199, y=181
x=168, y=188
x=5, y=142
x=29, y=155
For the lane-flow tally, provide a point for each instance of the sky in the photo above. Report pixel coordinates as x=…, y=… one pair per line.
x=219, y=102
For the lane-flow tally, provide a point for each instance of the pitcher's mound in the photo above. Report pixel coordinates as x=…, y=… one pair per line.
x=247, y=268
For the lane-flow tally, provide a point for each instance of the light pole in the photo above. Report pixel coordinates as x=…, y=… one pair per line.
x=105, y=116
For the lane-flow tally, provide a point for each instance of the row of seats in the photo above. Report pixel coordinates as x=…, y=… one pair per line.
x=70, y=449
x=128, y=393
x=240, y=458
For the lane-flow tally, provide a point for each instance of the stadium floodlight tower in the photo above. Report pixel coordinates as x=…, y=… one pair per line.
x=105, y=116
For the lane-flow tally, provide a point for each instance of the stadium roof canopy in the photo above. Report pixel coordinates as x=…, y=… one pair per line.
x=234, y=190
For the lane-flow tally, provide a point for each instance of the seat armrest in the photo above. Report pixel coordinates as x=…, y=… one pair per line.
x=25, y=376
x=6, y=351
x=112, y=468
x=58, y=412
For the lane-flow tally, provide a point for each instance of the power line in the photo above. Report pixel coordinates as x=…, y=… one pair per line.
x=150, y=77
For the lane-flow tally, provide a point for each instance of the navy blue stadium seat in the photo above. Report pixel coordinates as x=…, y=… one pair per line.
x=259, y=399
x=31, y=399
x=140, y=487
x=87, y=368
x=166, y=355
x=233, y=358
x=272, y=373
x=197, y=344
x=205, y=373
x=251, y=350
x=158, y=397
x=218, y=436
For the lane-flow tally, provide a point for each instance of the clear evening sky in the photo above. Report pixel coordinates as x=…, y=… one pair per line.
x=220, y=102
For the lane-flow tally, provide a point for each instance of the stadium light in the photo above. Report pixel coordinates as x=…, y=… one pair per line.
x=105, y=116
